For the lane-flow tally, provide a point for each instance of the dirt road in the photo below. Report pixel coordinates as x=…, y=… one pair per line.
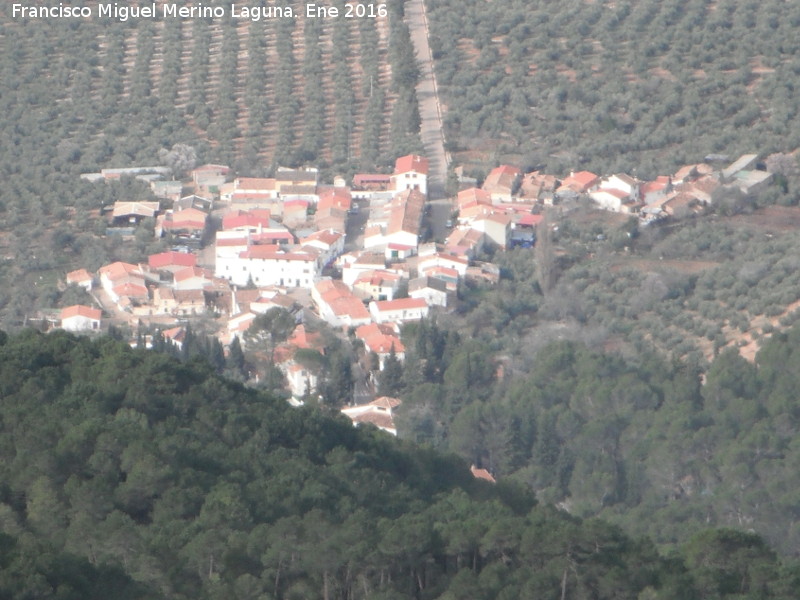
x=432, y=130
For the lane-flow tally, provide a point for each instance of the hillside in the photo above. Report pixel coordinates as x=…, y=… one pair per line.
x=80, y=95
x=637, y=86
x=194, y=487
x=276, y=91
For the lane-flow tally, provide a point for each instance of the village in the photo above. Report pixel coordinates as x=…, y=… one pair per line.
x=361, y=257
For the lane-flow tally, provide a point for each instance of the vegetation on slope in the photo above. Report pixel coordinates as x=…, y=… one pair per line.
x=198, y=488
x=639, y=85
x=639, y=442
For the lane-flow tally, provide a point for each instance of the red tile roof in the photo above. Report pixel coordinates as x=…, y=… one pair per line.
x=79, y=310
x=411, y=162
x=531, y=220
x=239, y=219
x=118, y=270
x=190, y=272
x=79, y=276
x=502, y=179
x=170, y=259
x=400, y=304
x=580, y=181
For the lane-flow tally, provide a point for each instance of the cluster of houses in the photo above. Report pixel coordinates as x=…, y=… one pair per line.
x=272, y=238
x=355, y=251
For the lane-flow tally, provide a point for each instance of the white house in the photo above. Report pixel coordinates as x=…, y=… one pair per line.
x=82, y=278
x=271, y=265
x=496, y=226
x=439, y=259
x=432, y=290
x=383, y=340
x=398, y=311
x=377, y=412
x=410, y=173
x=80, y=318
x=337, y=305
x=329, y=242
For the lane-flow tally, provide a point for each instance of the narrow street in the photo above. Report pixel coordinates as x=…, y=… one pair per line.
x=432, y=129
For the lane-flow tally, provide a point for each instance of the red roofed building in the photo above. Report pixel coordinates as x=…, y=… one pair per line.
x=440, y=259
x=411, y=173
x=655, y=190
x=81, y=277
x=80, y=318
x=175, y=335
x=171, y=261
x=473, y=197
x=337, y=305
x=398, y=311
x=482, y=474
x=329, y=242
x=382, y=340
x=377, y=285
x=270, y=265
x=405, y=219
x=189, y=221
x=121, y=279
x=377, y=412
x=247, y=220
x=193, y=278
x=502, y=183
x=580, y=182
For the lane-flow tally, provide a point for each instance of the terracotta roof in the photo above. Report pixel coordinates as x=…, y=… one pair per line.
x=168, y=259
x=131, y=289
x=386, y=402
x=334, y=197
x=580, y=181
x=377, y=277
x=301, y=338
x=79, y=276
x=190, y=272
x=118, y=270
x=79, y=310
x=482, y=474
x=474, y=196
x=411, y=162
x=406, y=212
x=253, y=218
x=341, y=300
x=380, y=338
x=531, y=220
x=176, y=334
x=501, y=179
x=326, y=236
x=400, y=304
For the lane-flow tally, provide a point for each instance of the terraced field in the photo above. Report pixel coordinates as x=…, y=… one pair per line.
x=286, y=91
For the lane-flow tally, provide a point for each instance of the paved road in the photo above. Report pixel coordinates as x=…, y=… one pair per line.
x=432, y=130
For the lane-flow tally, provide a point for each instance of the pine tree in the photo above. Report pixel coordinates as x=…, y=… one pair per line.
x=391, y=378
